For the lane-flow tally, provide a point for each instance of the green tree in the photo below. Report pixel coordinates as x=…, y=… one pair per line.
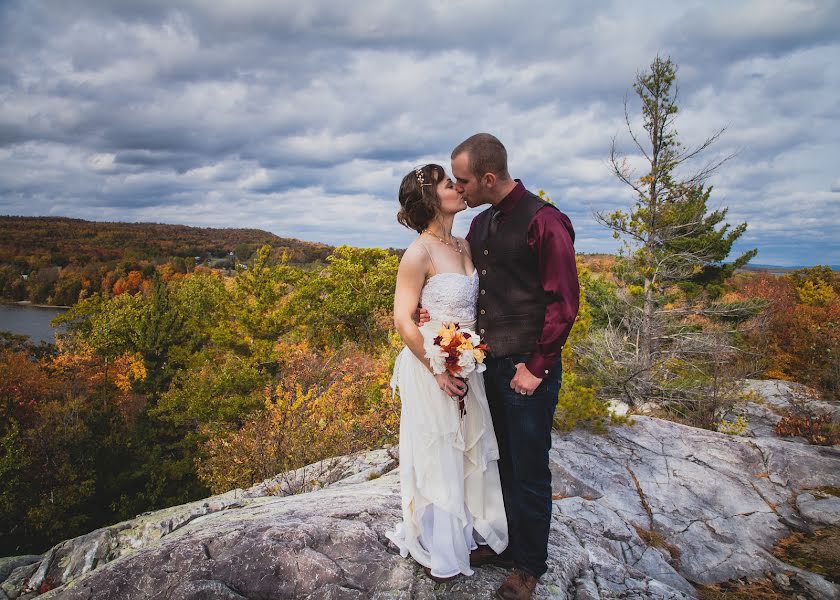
x=260, y=293
x=204, y=303
x=234, y=353
x=349, y=299
x=15, y=488
x=160, y=331
x=217, y=388
x=674, y=248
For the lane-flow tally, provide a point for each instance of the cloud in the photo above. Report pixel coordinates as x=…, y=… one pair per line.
x=301, y=118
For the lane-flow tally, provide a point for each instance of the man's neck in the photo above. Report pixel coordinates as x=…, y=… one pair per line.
x=504, y=188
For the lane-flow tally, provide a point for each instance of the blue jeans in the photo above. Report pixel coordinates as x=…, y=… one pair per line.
x=523, y=431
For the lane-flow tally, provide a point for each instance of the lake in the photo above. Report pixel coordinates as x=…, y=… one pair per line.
x=33, y=321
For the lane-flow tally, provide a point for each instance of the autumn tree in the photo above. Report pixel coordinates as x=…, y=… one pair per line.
x=349, y=299
x=672, y=261
x=327, y=403
x=799, y=335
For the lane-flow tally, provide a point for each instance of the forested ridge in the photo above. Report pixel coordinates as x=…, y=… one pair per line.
x=59, y=260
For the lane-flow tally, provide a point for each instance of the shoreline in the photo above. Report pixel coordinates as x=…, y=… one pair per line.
x=31, y=305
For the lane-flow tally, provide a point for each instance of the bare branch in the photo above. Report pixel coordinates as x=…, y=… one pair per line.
x=632, y=133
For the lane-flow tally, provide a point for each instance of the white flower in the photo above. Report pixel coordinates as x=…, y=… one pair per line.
x=436, y=356
x=467, y=362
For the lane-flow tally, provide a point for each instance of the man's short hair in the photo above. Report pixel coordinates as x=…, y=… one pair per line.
x=486, y=155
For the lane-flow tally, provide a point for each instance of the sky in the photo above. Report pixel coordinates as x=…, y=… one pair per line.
x=301, y=118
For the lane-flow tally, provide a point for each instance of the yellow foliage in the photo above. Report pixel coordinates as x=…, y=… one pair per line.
x=129, y=369
x=731, y=296
x=736, y=427
x=327, y=404
x=816, y=293
x=578, y=403
x=777, y=374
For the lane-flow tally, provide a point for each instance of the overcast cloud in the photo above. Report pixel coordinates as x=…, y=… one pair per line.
x=301, y=118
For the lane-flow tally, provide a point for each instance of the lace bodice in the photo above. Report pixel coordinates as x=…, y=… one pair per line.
x=450, y=296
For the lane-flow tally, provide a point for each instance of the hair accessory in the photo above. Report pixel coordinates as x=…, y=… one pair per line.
x=420, y=179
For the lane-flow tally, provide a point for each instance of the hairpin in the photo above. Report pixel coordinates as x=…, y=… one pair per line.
x=419, y=173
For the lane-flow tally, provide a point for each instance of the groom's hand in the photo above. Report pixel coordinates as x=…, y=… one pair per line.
x=524, y=381
x=421, y=316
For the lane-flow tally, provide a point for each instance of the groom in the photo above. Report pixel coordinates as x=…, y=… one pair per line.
x=528, y=298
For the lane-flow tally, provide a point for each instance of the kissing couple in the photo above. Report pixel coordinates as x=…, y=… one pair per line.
x=474, y=473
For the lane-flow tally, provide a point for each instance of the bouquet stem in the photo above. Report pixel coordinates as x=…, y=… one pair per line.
x=462, y=410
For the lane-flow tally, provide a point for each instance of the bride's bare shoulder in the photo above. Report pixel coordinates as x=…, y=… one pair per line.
x=415, y=257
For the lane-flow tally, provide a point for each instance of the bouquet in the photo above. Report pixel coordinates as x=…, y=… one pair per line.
x=458, y=351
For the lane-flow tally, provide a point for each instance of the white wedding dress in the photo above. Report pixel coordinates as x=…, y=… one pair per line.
x=451, y=494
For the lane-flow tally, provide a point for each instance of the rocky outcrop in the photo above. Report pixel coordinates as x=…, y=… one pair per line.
x=643, y=511
x=771, y=399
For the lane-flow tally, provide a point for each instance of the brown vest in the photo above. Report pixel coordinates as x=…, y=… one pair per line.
x=511, y=300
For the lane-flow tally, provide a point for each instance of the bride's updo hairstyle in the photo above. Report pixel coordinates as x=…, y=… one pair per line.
x=418, y=197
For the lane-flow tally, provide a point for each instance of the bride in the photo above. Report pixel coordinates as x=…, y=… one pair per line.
x=451, y=494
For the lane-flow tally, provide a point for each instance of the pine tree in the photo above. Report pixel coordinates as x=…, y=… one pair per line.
x=672, y=260
x=161, y=329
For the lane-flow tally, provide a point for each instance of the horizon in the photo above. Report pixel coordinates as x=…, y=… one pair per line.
x=751, y=264
x=301, y=120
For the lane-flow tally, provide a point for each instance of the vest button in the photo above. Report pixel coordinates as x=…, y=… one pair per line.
x=481, y=331
x=483, y=311
x=484, y=271
x=486, y=252
x=483, y=292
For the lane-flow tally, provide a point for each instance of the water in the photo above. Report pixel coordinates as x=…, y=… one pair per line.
x=29, y=320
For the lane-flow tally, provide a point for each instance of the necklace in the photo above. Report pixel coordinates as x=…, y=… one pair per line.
x=456, y=246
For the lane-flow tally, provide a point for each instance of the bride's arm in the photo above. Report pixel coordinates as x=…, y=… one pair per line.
x=410, y=279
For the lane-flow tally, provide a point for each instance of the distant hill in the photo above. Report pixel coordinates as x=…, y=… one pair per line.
x=58, y=261
x=780, y=269
x=60, y=241
x=603, y=262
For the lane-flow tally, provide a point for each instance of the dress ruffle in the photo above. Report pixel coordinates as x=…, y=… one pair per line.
x=449, y=477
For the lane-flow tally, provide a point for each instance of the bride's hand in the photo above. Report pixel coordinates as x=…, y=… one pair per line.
x=451, y=386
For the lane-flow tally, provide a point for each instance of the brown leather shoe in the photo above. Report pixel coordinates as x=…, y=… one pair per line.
x=484, y=555
x=518, y=586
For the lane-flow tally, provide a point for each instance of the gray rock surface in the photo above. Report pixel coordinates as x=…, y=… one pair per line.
x=825, y=511
x=641, y=512
x=10, y=563
x=773, y=398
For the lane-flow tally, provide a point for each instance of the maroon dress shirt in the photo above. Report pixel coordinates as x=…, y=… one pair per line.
x=551, y=239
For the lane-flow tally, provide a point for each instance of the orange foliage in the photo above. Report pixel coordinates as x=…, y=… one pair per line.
x=130, y=284
x=599, y=263
x=85, y=374
x=23, y=384
x=168, y=273
x=800, y=339
x=326, y=404
x=817, y=429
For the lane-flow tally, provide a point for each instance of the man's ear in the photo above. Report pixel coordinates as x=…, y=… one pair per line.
x=488, y=180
